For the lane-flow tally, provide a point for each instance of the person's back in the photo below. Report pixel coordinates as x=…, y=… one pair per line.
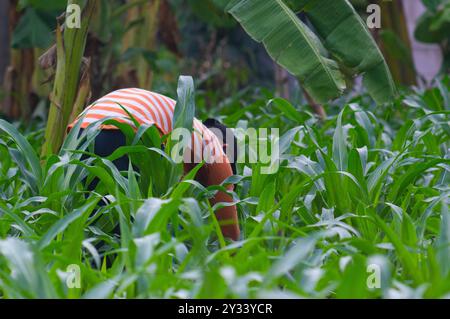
x=151, y=108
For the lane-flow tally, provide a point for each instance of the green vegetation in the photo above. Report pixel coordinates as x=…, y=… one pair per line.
x=367, y=186
x=433, y=27
x=357, y=209
x=298, y=49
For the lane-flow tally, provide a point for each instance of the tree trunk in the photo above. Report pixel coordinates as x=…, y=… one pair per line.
x=395, y=43
x=138, y=71
x=316, y=108
x=281, y=81
x=17, y=78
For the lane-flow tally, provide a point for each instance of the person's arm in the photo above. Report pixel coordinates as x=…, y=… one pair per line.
x=215, y=174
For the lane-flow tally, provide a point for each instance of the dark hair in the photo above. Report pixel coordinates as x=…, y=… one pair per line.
x=213, y=123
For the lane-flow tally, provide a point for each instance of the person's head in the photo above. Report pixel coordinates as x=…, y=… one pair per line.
x=226, y=137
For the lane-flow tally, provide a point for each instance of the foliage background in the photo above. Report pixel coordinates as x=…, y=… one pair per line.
x=360, y=185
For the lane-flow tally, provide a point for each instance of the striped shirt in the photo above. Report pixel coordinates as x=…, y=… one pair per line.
x=151, y=109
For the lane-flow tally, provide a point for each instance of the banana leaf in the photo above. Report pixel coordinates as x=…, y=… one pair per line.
x=346, y=36
x=291, y=44
x=342, y=40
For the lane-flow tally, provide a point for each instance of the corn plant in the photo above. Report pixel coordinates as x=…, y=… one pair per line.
x=358, y=209
x=67, y=88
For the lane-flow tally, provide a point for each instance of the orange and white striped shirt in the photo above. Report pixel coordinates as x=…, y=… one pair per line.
x=152, y=109
x=155, y=109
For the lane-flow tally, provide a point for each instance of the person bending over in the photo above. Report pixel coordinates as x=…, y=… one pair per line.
x=155, y=109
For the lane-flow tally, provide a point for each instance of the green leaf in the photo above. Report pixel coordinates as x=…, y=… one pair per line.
x=28, y=277
x=31, y=32
x=355, y=167
x=346, y=36
x=26, y=150
x=64, y=222
x=287, y=109
x=353, y=283
x=340, y=144
x=295, y=255
x=184, y=112
x=291, y=44
x=212, y=12
x=443, y=241
x=411, y=175
x=432, y=5
x=406, y=257
x=153, y=215
x=379, y=83
x=266, y=200
x=102, y=291
x=432, y=27
x=184, y=185
x=48, y=5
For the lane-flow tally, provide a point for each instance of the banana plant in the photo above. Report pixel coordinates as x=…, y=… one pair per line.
x=340, y=41
x=70, y=47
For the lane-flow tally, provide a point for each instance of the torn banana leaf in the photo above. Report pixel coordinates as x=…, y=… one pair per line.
x=291, y=44
x=346, y=36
